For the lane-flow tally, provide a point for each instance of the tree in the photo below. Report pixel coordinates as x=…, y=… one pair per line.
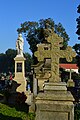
x=35, y=34
x=7, y=61
x=29, y=61
x=2, y=62
x=10, y=55
x=61, y=32
x=78, y=23
x=76, y=47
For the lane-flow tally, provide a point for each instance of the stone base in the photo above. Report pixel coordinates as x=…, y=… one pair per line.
x=29, y=99
x=20, y=73
x=21, y=81
x=70, y=83
x=55, y=103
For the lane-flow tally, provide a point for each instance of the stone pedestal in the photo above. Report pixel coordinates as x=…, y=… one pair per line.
x=29, y=99
x=20, y=73
x=70, y=83
x=56, y=103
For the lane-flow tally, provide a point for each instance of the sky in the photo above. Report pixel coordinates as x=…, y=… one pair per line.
x=15, y=12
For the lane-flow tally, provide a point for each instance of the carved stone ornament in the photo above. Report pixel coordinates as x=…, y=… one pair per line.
x=54, y=53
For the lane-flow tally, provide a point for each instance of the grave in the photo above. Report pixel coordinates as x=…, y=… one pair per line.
x=55, y=103
x=40, y=75
x=20, y=78
x=70, y=82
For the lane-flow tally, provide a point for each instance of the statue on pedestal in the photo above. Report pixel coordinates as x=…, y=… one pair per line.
x=19, y=45
x=20, y=65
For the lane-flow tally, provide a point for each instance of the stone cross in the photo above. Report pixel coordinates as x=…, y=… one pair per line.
x=54, y=53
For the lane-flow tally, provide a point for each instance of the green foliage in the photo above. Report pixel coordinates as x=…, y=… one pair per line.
x=77, y=112
x=10, y=113
x=78, y=23
x=76, y=47
x=61, y=32
x=35, y=32
x=76, y=76
x=7, y=61
x=29, y=61
x=11, y=53
x=64, y=75
x=31, y=116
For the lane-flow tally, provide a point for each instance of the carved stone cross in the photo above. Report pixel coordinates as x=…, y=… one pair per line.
x=54, y=53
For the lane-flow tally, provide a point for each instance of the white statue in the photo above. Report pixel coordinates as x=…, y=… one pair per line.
x=19, y=45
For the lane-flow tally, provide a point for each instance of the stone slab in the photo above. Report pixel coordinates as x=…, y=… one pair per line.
x=55, y=105
x=54, y=108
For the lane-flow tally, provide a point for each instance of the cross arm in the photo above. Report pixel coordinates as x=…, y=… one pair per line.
x=68, y=54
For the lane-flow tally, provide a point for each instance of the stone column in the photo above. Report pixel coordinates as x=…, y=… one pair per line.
x=35, y=85
x=20, y=73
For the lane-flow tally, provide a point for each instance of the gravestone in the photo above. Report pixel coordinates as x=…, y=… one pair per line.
x=70, y=82
x=20, y=66
x=40, y=75
x=55, y=103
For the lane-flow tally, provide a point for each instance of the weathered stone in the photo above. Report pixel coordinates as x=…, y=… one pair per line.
x=20, y=73
x=56, y=103
x=55, y=54
x=41, y=75
x=70, y=82
x=35, y=86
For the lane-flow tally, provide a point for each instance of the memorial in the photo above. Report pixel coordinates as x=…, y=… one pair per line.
x=55, y=103
x=20, y=65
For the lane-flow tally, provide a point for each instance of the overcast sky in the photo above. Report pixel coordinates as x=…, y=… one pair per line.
x=15, y=12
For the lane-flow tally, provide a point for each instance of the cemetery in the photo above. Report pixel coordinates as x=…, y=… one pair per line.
x=50, y=98
x=46, y=88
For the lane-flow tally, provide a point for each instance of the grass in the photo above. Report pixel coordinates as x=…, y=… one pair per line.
x=19, y=111
x=14, y=113
x=10, y=113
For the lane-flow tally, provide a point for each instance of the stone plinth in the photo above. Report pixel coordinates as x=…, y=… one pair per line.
x=70, y=83
x=56, y=103
x=20, y=73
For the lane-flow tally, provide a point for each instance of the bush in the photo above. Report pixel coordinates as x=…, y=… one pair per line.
x=77, y=112
x=31, y=116
x=10, y=113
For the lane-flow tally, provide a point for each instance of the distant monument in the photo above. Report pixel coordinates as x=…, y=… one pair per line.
x=19, y=45
x=55, y=103
x=20, y=65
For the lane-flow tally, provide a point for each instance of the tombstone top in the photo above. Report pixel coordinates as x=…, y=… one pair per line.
x=54, y=53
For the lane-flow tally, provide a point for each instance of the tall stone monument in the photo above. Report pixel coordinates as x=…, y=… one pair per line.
x=20, y=65
x=55, y=103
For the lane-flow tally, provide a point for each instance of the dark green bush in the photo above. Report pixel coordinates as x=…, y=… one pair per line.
x=31, y=116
